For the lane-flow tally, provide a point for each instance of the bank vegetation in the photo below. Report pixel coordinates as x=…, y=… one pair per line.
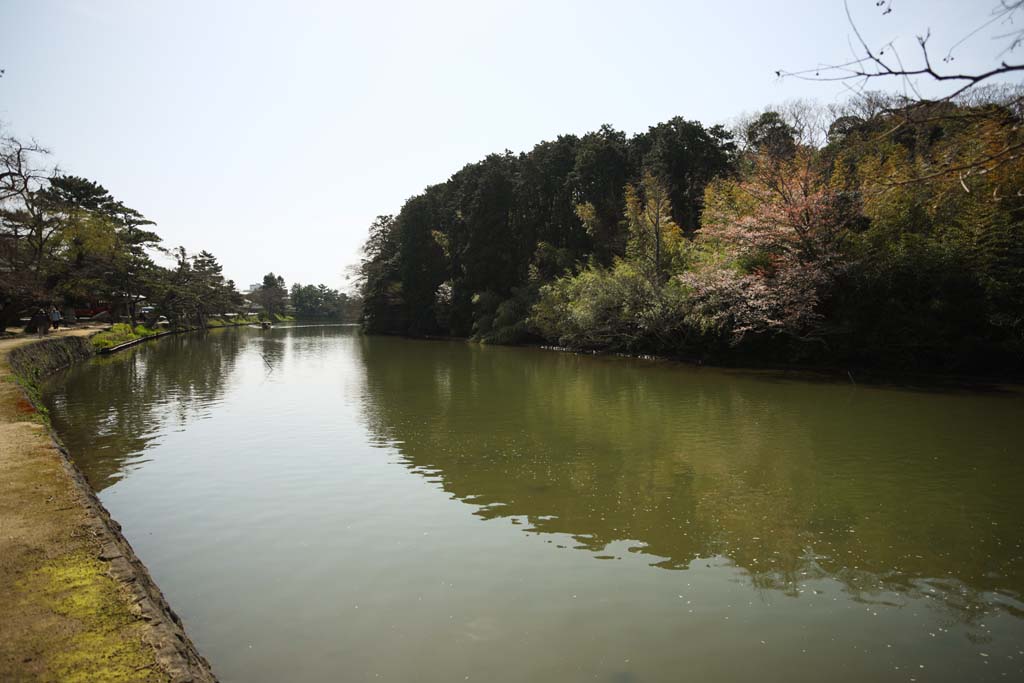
x=880, y=233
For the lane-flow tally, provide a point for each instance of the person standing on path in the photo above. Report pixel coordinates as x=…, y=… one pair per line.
x=54, y=317
x=41, y=322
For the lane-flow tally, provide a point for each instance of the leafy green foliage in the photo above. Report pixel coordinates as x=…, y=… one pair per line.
x=319, y=302
x=468, y=257
x=860, y=247
x=195, y=290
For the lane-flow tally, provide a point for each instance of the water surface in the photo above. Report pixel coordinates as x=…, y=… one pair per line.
x=320, y=505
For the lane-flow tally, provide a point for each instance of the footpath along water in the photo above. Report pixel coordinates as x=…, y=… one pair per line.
x=320, y=505
x=75, y=602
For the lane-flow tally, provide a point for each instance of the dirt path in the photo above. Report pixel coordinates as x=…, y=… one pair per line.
x=75, y=603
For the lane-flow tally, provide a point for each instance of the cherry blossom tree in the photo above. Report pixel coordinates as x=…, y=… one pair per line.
x=769, y=249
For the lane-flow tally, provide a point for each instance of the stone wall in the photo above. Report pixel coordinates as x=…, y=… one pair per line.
x=176, y=655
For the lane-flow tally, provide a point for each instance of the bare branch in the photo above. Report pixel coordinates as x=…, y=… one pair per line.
x=868, y=64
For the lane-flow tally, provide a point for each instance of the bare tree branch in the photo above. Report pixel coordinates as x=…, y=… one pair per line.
x=965, y=97
x=868, y=64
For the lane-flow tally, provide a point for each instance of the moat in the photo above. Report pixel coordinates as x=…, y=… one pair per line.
x=321, y=505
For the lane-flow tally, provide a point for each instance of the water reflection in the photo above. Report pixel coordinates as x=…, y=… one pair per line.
x=132, y=397
x=894, y=495
x=114, y=408
x=317, y=504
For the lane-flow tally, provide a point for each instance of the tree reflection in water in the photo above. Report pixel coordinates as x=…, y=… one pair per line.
x=161, y=385
x=894, y=496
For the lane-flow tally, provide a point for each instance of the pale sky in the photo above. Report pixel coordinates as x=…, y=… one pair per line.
x=272, y=133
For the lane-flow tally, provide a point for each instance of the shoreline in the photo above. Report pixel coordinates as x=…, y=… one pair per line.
x=874, y=377
x=78, y=603
x=128, y=344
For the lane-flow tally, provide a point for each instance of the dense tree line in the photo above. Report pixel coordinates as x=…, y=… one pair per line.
x=320, y=302
x=803, y=234
x=305, y=302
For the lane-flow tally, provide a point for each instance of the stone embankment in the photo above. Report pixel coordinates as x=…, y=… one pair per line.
x=76, y=604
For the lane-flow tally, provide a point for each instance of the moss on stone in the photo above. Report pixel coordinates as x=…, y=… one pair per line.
x=96, y=657
x=106, y=646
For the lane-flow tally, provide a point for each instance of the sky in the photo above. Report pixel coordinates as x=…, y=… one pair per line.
x=272, y=133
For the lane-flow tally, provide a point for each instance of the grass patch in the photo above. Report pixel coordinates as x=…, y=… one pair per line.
x=30, y=384
x=232, y=321
x=121, y=333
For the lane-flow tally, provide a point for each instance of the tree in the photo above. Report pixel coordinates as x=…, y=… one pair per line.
x=600, y=174
x=24, y=232
x=685, y=156
x=771, y=249
x=272, y=295
x=194, y=290
x=378, y=280
x=420, y=276
x=653, y=234
x=771, y=136
x=319, y=302
x=102, y=245
x=133, y=267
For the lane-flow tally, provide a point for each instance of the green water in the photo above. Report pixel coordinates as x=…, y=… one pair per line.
x=318, y=505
